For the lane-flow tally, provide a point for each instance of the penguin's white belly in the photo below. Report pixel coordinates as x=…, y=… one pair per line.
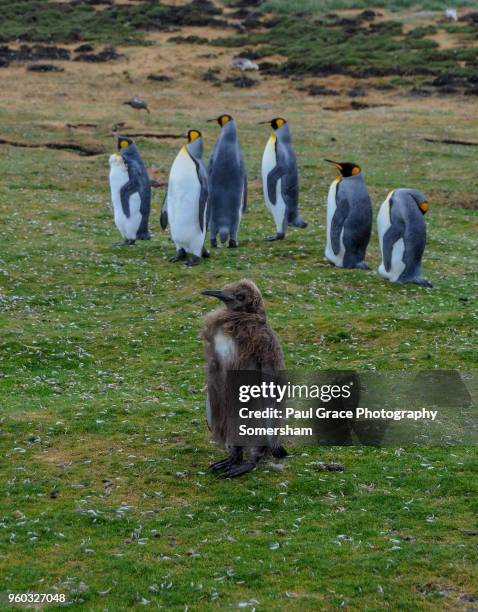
x=225, y=348
x=127, y=226
x=338, y=260
x=184, y=191
x=269, y=162
x=383, y=223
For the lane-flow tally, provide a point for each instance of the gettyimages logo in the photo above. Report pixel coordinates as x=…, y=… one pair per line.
x=436, y=407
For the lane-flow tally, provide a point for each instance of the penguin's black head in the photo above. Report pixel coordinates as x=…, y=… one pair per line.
x=222, y=119
x=346, y=168
x=243, y=296
x=123, y=142
x=276, y=123
x=193, y=135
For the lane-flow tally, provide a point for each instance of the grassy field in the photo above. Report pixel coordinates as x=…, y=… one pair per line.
x=104, y=493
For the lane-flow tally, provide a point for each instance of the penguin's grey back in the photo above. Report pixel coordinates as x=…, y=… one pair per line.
x=227, y=181
x=405, y=213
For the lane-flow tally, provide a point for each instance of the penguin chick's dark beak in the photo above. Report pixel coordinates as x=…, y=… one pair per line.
x=220, y=295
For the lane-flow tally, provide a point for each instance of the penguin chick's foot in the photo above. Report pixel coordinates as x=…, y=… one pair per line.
x=234, y=457
x=238, y=470
x=205, y=253
x=278, y=236
x=193, y=261
x=362, y=266
x=213, y=243
x=180, y=256
x=232, y=244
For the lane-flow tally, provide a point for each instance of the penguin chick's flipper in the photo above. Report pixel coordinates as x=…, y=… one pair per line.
x=390, y=237
x=180, y=256
x=232, y=244
x=274, y=175
x=278, y=236
x=234, y=457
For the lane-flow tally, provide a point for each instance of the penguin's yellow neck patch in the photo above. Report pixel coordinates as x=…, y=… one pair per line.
x=184, y=150
x=273, y=137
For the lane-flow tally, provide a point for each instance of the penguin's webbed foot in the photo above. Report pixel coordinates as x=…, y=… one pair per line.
x=180, y=256
x=362, y=265
x=238, y=470
x=205, y=253
x=193, y=261
x=125, y=242
x=298, y=223
x=278, y=236
x=232, y=244
x=423, y=282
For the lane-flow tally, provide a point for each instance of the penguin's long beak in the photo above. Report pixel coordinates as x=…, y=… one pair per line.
x=336, y=163
x=220, y=295
x=263, y=122
x=211, y=120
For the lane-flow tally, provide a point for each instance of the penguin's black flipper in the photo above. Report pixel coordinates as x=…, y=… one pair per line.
x=336, y=227
x=274, y=175
x=163, y=219
x=390, y=237
x=203, y=198
x=126, y=192
x=244, y=194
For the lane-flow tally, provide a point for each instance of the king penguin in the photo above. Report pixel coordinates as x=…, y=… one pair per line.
x=185, y=203
x=402, y=233
x=280, y=179
x=227, y=184
x=130, y=192
x=349, y=218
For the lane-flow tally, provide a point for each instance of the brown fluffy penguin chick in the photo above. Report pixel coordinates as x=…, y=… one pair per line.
x=237, y=337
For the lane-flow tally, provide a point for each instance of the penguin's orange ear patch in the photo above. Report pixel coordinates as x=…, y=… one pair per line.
x=356, y=170
x=423, y=207
x=123, y=144
x=223, y=119
x=193, y=135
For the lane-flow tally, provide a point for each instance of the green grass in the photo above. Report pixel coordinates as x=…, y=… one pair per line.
x=102, y=386
x=314, y=6
x=328, y=46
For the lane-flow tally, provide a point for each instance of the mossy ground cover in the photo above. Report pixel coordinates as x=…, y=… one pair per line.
x=104, y=494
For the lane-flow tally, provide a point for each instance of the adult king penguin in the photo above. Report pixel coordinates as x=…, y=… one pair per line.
x=280, y=179
x=402, y=234
x=227, y=184
x=185, y=203
x=349, y=218
x=237, y=337
x=130, y=192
